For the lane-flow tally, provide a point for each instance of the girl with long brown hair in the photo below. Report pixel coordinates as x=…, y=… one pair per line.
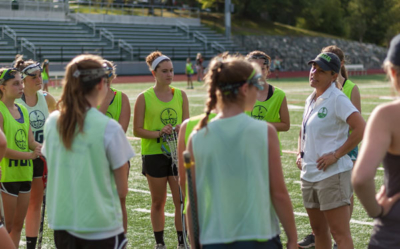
x=237, y=175
x=87, y=155
x=39, y=104
x=158, y=111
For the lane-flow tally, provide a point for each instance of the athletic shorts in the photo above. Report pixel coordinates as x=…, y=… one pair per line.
x=65, y=240
x=38, y=167
x=274, y=243
x=158, y=166
x=353, y=154
x=329, y=193
x=189, y=75
x=14, y=188
x=45, y=82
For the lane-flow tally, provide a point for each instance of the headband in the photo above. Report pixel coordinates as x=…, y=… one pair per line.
x=89, y=74
x=8, y=74
x=253, y=79
x=29, y=70
x=158, y=60
x=260, y=56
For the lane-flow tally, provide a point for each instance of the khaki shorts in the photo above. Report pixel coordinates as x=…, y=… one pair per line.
x=329, y=193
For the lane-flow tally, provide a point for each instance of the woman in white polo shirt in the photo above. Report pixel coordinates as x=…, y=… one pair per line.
x=322, y=154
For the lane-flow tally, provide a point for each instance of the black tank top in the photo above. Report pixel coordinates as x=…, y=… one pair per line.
x=391, y=163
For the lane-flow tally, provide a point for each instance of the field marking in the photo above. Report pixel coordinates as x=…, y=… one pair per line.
x=133, y=138
x=389, y=97
x=143, y=191
x=289, y=151
x=173, y=215
x=295, y=107
x=148, y=211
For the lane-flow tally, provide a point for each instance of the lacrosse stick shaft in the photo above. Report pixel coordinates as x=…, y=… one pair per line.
x=44, y=178
x=193, y=206
x=42, y=221
x=2, y=219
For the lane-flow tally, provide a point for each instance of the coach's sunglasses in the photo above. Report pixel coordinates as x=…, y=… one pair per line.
x=8, y=74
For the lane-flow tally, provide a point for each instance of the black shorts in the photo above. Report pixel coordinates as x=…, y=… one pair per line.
x=274, y=243
x=65, y=240
x=14, y=188
x=38, y=167
x=158, y=166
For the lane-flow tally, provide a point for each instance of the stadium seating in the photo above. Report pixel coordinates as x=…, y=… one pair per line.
x=62, y=40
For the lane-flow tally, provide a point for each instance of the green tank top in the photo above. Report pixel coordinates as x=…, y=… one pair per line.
x=45, y=76
x=269, y=110
x=348, y=88
x=193, y=121
x=157, y=115
x=14, y=170
x=114, y=109
x=189, y=68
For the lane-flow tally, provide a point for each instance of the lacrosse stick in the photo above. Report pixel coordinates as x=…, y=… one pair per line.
x=172, y=142
x=2, y=219
x=44, y=178
x=193, y=207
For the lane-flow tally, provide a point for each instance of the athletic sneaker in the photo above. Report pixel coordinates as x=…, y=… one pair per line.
x=160, y=246
x=182, y=247
x=307, y=242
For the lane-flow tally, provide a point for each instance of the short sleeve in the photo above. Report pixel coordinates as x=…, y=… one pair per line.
x=344, y=107
x=118, y=149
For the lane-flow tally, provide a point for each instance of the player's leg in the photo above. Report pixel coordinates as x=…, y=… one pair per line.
x=158, y=189
x=174, y=186
x=320, y=228
x=6, y=242
x=35, y=204
x=9, y=205
x=19, y=217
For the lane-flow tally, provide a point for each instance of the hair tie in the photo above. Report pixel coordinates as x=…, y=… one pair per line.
x=208, y=113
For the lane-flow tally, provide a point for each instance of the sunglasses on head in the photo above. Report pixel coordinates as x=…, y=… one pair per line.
x=108, y=70
x=31, y=69
x=259, y=56
x=8, y=74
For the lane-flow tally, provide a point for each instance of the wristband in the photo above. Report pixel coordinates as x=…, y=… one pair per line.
x=380, y=214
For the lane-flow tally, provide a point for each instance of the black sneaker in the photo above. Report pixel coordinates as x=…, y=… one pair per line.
x=307, y=242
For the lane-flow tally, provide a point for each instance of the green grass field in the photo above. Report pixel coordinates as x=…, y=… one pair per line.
x=374, y=90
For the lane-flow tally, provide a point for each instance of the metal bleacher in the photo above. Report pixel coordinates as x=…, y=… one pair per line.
x=63, y=40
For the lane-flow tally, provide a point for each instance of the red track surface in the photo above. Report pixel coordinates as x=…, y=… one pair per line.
x=182, y=77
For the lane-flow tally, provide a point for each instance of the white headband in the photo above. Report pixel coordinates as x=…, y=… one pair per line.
x=158, y=60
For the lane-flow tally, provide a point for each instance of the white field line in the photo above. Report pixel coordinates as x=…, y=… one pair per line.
x=295, y=107
x=148, y=211
x=172, y=215
x=143, y=191
x=389, y=97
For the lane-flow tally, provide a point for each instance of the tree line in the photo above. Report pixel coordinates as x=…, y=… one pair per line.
x=373, y=21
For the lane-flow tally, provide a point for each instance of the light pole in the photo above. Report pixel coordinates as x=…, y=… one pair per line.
x=228, y=19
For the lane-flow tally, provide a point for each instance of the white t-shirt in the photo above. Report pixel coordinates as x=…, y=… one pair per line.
x=323, y=131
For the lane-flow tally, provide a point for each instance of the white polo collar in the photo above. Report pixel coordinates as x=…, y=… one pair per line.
x=325, y=95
